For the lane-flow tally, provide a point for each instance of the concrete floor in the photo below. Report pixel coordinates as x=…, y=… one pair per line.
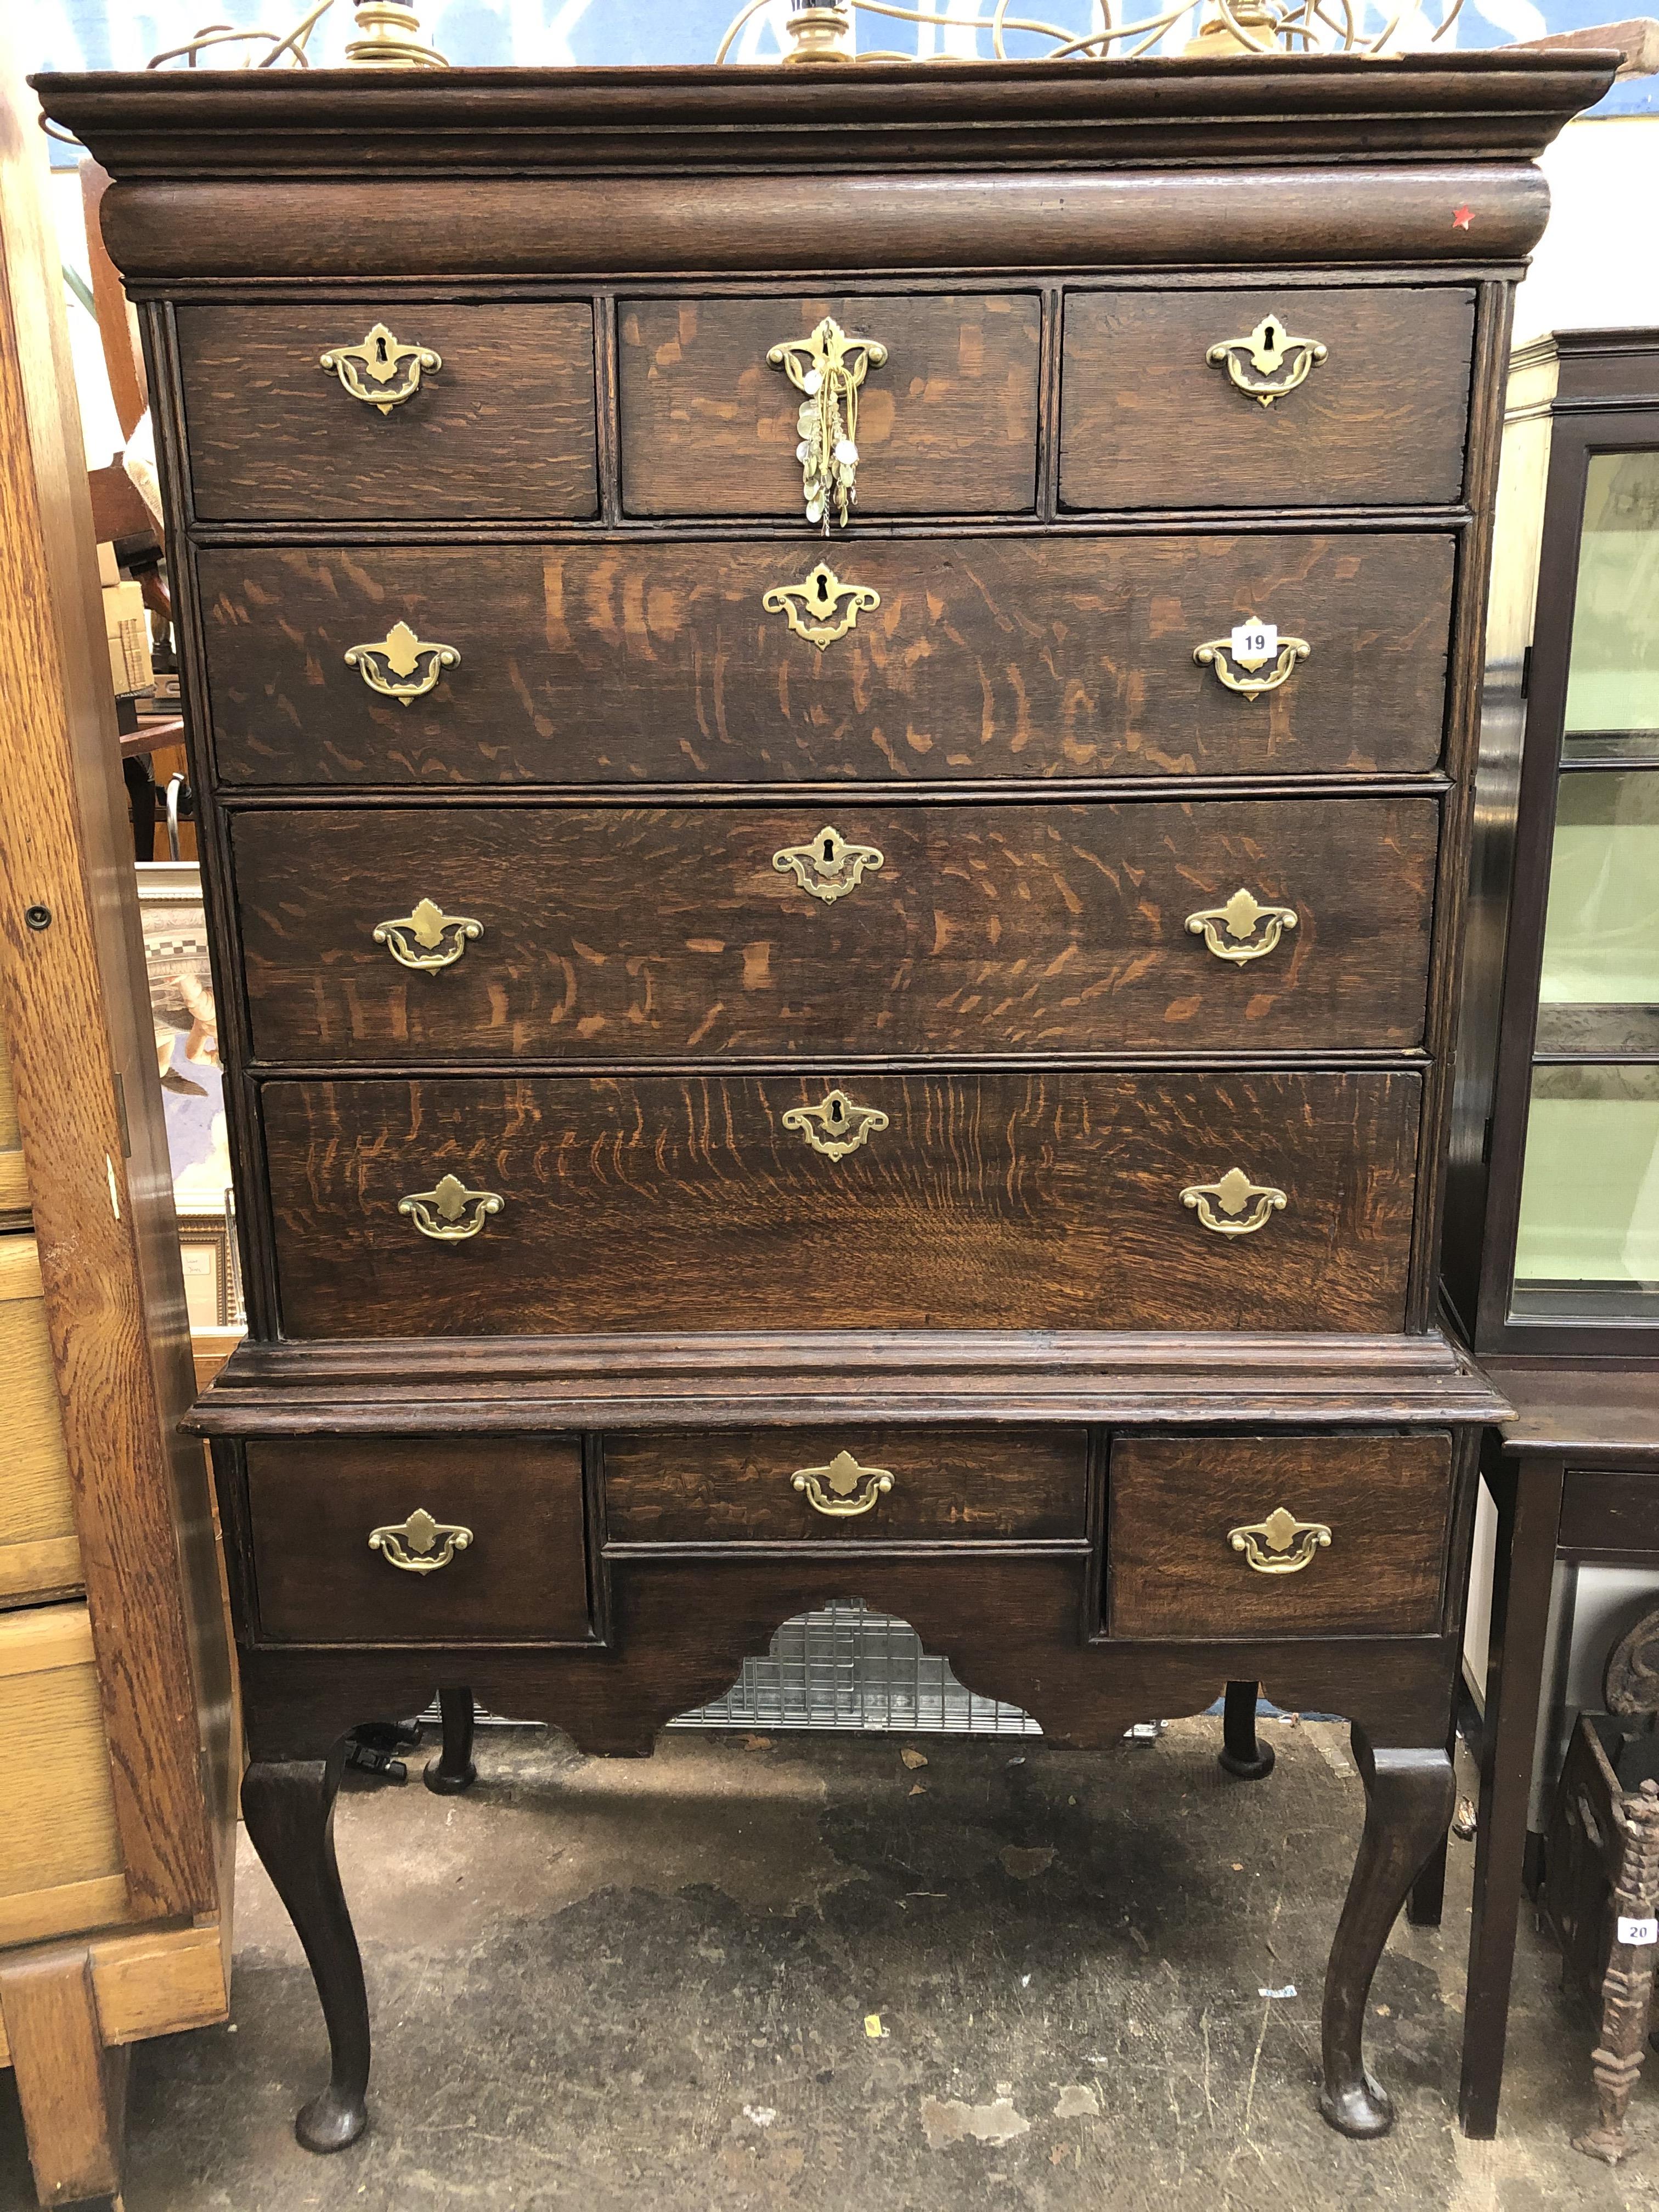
x=625, y=1985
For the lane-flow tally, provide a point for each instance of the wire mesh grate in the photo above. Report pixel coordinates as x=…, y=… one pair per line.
x=845, y=1667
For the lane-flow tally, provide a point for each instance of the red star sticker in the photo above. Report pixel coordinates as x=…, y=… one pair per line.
x=1463, y=218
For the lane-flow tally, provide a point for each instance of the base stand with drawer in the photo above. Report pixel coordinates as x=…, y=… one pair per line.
x=777, y=1055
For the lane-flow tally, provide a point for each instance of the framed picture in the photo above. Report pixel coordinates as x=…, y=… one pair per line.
x=207, y=1247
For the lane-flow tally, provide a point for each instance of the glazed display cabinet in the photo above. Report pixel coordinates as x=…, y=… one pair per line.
x=1552, y=1250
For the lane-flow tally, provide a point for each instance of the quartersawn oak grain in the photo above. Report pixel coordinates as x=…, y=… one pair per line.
x=1175, y=1499
x=1049, y=657
x=635, y=933
x=504, y=427
x=947, y=426
x=729, y=1486
x=1022, y=1201
x=1146, y=421
x=311, y=1506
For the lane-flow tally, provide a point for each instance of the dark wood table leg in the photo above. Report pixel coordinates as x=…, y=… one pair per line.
x=289, y=1806
x=1408, y=1807
x=1427, y=1901
x=1528, y=1493
x=453, y=1770
x=1243, y=1754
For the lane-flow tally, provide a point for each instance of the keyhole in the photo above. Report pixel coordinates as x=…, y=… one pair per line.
x=829, y=848
x=837, y=1111
x=380, y=349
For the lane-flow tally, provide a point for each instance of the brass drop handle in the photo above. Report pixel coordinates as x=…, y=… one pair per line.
x=381, y=372
x=427, y=939
x=1269, y=363
x=1239, y=919
x=1281, y=1545
x=1239, y=658
x=449, y=1212
x=420, y=1546
x=827, y=868
x=402, y=667
x=844, y=1489
x=1234, y=1207
x=827, y=370
x=836, y=1126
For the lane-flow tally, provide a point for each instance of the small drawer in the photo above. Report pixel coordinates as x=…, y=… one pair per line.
x=819, y=1486
x=1610, y=1509
x=39, y=1551
x=946, y=422
x=990, y=1199
x=14, y=1179
x=1331, y=1534
x=896, y=660
x=619, y=933
x=342, y=1554
x=1164, y=405
x=480, y=411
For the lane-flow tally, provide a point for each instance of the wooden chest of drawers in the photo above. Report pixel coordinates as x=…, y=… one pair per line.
x=906, y=1059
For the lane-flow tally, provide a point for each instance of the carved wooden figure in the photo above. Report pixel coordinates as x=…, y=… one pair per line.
x=911, y=1065
x=1627, y=1986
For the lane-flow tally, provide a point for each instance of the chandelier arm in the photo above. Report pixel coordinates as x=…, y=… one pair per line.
x=737, y=24
x=214, y=35
x=296, y=42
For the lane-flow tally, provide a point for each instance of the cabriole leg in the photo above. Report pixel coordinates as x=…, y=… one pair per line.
x=452, y=1770
x=289, y=1806
x=1408, y=1806
x=1243, y=1754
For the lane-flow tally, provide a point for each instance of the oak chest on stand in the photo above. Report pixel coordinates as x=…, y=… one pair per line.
x=833, y=714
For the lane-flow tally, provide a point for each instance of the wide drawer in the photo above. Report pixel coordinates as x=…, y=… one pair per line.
x=605, y=932
x=1330, y=1534
x=946, y=424
x=1159, y=404
x=503, y=425
x=1021, y=656
x=60, y=1850
x=340, y=1556
x=988, y=1200
x=816, y=1486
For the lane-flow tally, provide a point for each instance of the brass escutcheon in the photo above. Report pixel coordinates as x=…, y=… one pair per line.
x=1269, y=363
x=380, y=372
x=1240, y=918
x=822, y=608
x=844, y=1489
x=426, y=938
x=836, y=1126
x=1245, y=1206
x=1281, y=1545
x=827, y=369
x=1217, y=654
x=402, y=667
x=828, y=868
x=449, y=1212
x=420, y=1546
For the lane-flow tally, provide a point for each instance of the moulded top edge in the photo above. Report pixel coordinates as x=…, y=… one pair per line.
x=213, y=123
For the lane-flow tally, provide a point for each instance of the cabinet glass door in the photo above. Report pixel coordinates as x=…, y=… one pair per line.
x=1588, y=1246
